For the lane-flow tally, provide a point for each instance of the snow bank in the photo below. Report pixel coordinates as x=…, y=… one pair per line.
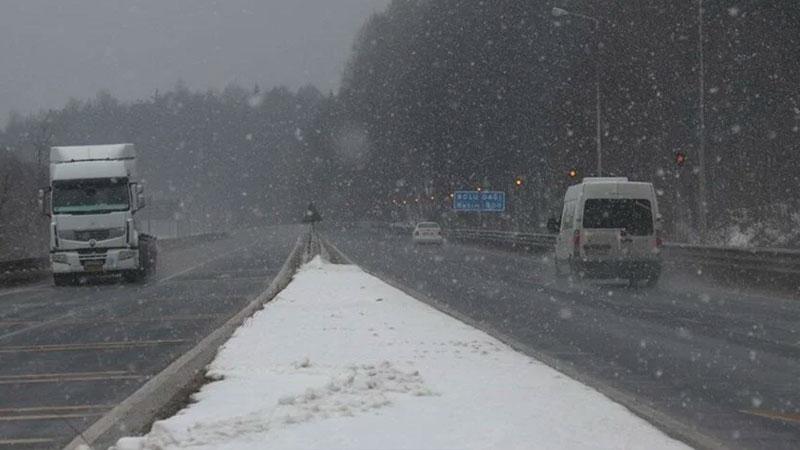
x=342, y=360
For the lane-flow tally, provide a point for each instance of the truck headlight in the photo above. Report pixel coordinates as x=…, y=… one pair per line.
x=116, y=232
x=126, y=254
x=59, y=258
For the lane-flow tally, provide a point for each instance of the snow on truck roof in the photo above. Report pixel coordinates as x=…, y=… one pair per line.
x=80, y=170
x=113, y=152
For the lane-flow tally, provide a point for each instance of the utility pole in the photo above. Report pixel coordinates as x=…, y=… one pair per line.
x=599, y=139
x=560, y=12
x=702, y=194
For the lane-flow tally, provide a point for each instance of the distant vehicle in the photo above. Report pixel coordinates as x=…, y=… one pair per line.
x=93, y=195
x=610, y=228
x=428, y=233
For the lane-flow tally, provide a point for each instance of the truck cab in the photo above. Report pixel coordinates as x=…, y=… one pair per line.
x=94, y=194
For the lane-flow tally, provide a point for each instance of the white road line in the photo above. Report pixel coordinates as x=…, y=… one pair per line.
x=35, y=287
x=159, y=281
x=182, y=272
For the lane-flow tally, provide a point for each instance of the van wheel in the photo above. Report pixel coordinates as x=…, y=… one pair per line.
x=652, y=279
x=60, y=279
x=560, y=273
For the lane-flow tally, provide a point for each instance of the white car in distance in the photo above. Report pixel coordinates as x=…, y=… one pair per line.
x=428, y=233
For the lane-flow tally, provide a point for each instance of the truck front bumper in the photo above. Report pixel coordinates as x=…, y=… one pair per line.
x=99, y=261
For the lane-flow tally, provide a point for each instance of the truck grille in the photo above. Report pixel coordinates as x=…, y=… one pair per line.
x=91, y=255
x=86, y=235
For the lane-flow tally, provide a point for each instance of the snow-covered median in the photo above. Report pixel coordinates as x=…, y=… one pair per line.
x=342, y=360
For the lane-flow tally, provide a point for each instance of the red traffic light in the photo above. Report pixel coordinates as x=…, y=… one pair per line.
x=680, y=158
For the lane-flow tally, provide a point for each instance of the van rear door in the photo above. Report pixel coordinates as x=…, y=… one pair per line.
x=618, y=228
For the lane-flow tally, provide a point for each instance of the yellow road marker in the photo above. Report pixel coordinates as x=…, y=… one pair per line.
x=102, y=320
x=786, y=417
x=49, y=417
x=70, y=378
x=87, y=346
x=66, y=374
x=31, y=409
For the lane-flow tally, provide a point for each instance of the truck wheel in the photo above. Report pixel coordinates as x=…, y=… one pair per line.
x=60, y=279
x=132, y=276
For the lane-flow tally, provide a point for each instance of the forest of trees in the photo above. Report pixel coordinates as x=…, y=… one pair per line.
x=447, y=95
x=232, y=159
x=462, y=93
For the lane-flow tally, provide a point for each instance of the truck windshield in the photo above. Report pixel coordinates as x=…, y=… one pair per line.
x=632, y=215
x=90, y=196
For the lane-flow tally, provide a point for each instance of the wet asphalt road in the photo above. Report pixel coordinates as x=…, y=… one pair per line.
x=722, y=361
x=68, y=355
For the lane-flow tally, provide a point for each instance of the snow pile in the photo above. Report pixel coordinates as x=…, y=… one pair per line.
x=774, y=225
x=342, y=360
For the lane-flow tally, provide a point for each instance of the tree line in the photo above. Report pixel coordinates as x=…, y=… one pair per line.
x=459, y=94
x=231, y=159
x=449, y=95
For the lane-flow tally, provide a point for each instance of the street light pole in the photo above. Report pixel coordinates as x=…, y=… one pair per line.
x=702, y=197
x=559, y=12
x=599, y=137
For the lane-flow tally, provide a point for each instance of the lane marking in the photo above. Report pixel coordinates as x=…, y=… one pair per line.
x=73, y=312
x=775, y=415
x=54, y=408
x=88, y=346
x=26, y=441
x=197, y=266
x=36, y=287
x=17, y=322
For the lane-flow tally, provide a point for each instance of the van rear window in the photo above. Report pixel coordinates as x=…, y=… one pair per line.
x=635, y=216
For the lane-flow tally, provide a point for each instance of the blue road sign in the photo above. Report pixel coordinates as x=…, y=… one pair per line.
x=479, y=201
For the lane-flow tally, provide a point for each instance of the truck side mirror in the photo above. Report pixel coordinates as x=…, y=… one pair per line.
x=42, y=200
x=139, y=188
x=554, y=226
x=140, y=201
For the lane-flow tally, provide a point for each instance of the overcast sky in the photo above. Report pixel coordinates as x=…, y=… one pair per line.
x=51, y=50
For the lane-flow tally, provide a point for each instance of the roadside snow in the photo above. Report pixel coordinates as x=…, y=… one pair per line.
x=342, y=360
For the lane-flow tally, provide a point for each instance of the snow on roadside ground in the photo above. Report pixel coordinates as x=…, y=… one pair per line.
x=341, y=360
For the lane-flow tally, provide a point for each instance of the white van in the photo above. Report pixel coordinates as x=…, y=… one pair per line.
x=610, y=228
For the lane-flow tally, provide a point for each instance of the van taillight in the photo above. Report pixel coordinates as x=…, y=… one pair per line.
x=576, y=239
x=659, y=242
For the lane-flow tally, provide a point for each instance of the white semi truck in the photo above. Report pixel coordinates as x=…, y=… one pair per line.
x=92, y=199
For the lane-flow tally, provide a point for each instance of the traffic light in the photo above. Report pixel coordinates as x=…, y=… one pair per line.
x=680, y=158
x=519, y=182
x=572, y=174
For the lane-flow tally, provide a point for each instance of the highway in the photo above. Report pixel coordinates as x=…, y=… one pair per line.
x=68, y=355
x=721, y=361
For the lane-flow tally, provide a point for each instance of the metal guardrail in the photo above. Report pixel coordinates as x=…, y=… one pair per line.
x=23, y=265
x=507, y=238
x=761, y=260
x=771, y=260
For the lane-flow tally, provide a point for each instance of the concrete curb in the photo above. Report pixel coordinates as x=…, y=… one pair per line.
x=332, y=253
x=667, y=424
x=136, y=413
